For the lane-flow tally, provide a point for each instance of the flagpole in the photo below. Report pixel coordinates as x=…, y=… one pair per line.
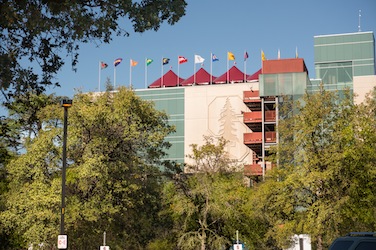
x=245, y=66
x=227, y=75
x=177, y=79
x=130, y=73
x=146, y=72
x=194, y=70
x=211, y=68
x=99, y=77
x=114, y=77
x=162, y=74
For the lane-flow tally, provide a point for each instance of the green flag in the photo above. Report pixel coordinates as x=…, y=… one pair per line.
x=148, y=61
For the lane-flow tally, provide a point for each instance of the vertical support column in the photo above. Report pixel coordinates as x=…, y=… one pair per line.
x=263, y=137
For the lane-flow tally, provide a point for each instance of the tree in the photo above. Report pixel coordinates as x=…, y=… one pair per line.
x=32, y=202
x=323, y=184
x=109, y=85
x=115, y=143
x=38, y=31
x=210, y=204
x=23, y=121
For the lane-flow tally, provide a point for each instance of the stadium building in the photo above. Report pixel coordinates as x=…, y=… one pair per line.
x=243, y=108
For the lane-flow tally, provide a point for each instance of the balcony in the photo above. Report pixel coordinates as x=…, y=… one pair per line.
x=270, y=116
x=251, y=95
x=270, y=137
x=252, y=170
x=269, y=98
x=256, y=169
x=252, y=100
x=251, y=138
x=253, y=141
x=252, y=117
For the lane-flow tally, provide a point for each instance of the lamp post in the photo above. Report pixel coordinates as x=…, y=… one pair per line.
x=62, y=239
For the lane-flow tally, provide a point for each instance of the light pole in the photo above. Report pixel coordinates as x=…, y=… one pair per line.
x=62, y=242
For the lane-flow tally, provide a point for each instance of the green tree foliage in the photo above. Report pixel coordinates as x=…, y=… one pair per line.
x=212, y=202
x=324, y=184
x=17, y=130
x=32, y=202
x=115, y=145
x=23, y=121
x=39, y=31
x=109, y=85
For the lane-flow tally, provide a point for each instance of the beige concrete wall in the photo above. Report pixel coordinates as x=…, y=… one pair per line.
x=362, y=86
x=216, y=110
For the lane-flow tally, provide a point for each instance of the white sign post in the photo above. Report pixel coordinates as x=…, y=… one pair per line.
x=62, y=241
x=238, y=247
x=104, y=247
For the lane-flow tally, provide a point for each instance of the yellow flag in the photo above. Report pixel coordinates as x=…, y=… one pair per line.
x=230, y=56
x=263, y=58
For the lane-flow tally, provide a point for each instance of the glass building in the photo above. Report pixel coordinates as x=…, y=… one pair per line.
x=171, y=101
x=341, y=57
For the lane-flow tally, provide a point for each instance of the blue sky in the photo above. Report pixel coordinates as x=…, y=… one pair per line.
x=219, y=26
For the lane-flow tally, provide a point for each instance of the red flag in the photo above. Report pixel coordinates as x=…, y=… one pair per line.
x=182, y=59
x=104, y=65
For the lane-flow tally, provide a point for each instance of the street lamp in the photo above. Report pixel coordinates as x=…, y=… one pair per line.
x=62, y=239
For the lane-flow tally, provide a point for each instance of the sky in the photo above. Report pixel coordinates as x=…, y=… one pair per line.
x=218, y=27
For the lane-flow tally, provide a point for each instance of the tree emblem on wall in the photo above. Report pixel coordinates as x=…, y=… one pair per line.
x=227, y=126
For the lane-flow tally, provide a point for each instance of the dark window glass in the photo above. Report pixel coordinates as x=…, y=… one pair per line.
x=366, y=246
x=342, y=245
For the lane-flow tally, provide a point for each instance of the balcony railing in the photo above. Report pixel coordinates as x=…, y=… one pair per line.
x=270, y=116
x=256, y=169
x=252, y=169
x=255, y=137
x=251, y=96
x=252, y=116
x=270, y=137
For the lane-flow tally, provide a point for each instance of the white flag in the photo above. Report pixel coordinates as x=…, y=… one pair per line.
x=199, y=59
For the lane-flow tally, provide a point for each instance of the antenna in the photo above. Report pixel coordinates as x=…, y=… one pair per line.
x=360, y=15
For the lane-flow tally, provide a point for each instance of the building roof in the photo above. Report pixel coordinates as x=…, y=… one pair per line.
x=170, y=79
x=201, y=77
x=254, y=76
x=279, y=66
x=234, y=75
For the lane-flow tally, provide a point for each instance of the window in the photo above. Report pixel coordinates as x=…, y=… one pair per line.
x=342, y=245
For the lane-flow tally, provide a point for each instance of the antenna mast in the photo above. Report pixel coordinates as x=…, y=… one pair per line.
x=360, y=15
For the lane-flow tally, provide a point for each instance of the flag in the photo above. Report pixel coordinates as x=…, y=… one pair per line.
x=279, y=54
x=182, y=59
x=133, y=63
x=230, y=56
x=296, y=52
x=199, y=59
x=263, y=58
x=245, y=56
x=148, y=61
x=214, y=58
x=117, y=61
x=165, y=61
x=104, y=65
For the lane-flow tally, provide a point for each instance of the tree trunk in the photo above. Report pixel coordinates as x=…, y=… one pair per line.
x=319, y=242
x=203, y=240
